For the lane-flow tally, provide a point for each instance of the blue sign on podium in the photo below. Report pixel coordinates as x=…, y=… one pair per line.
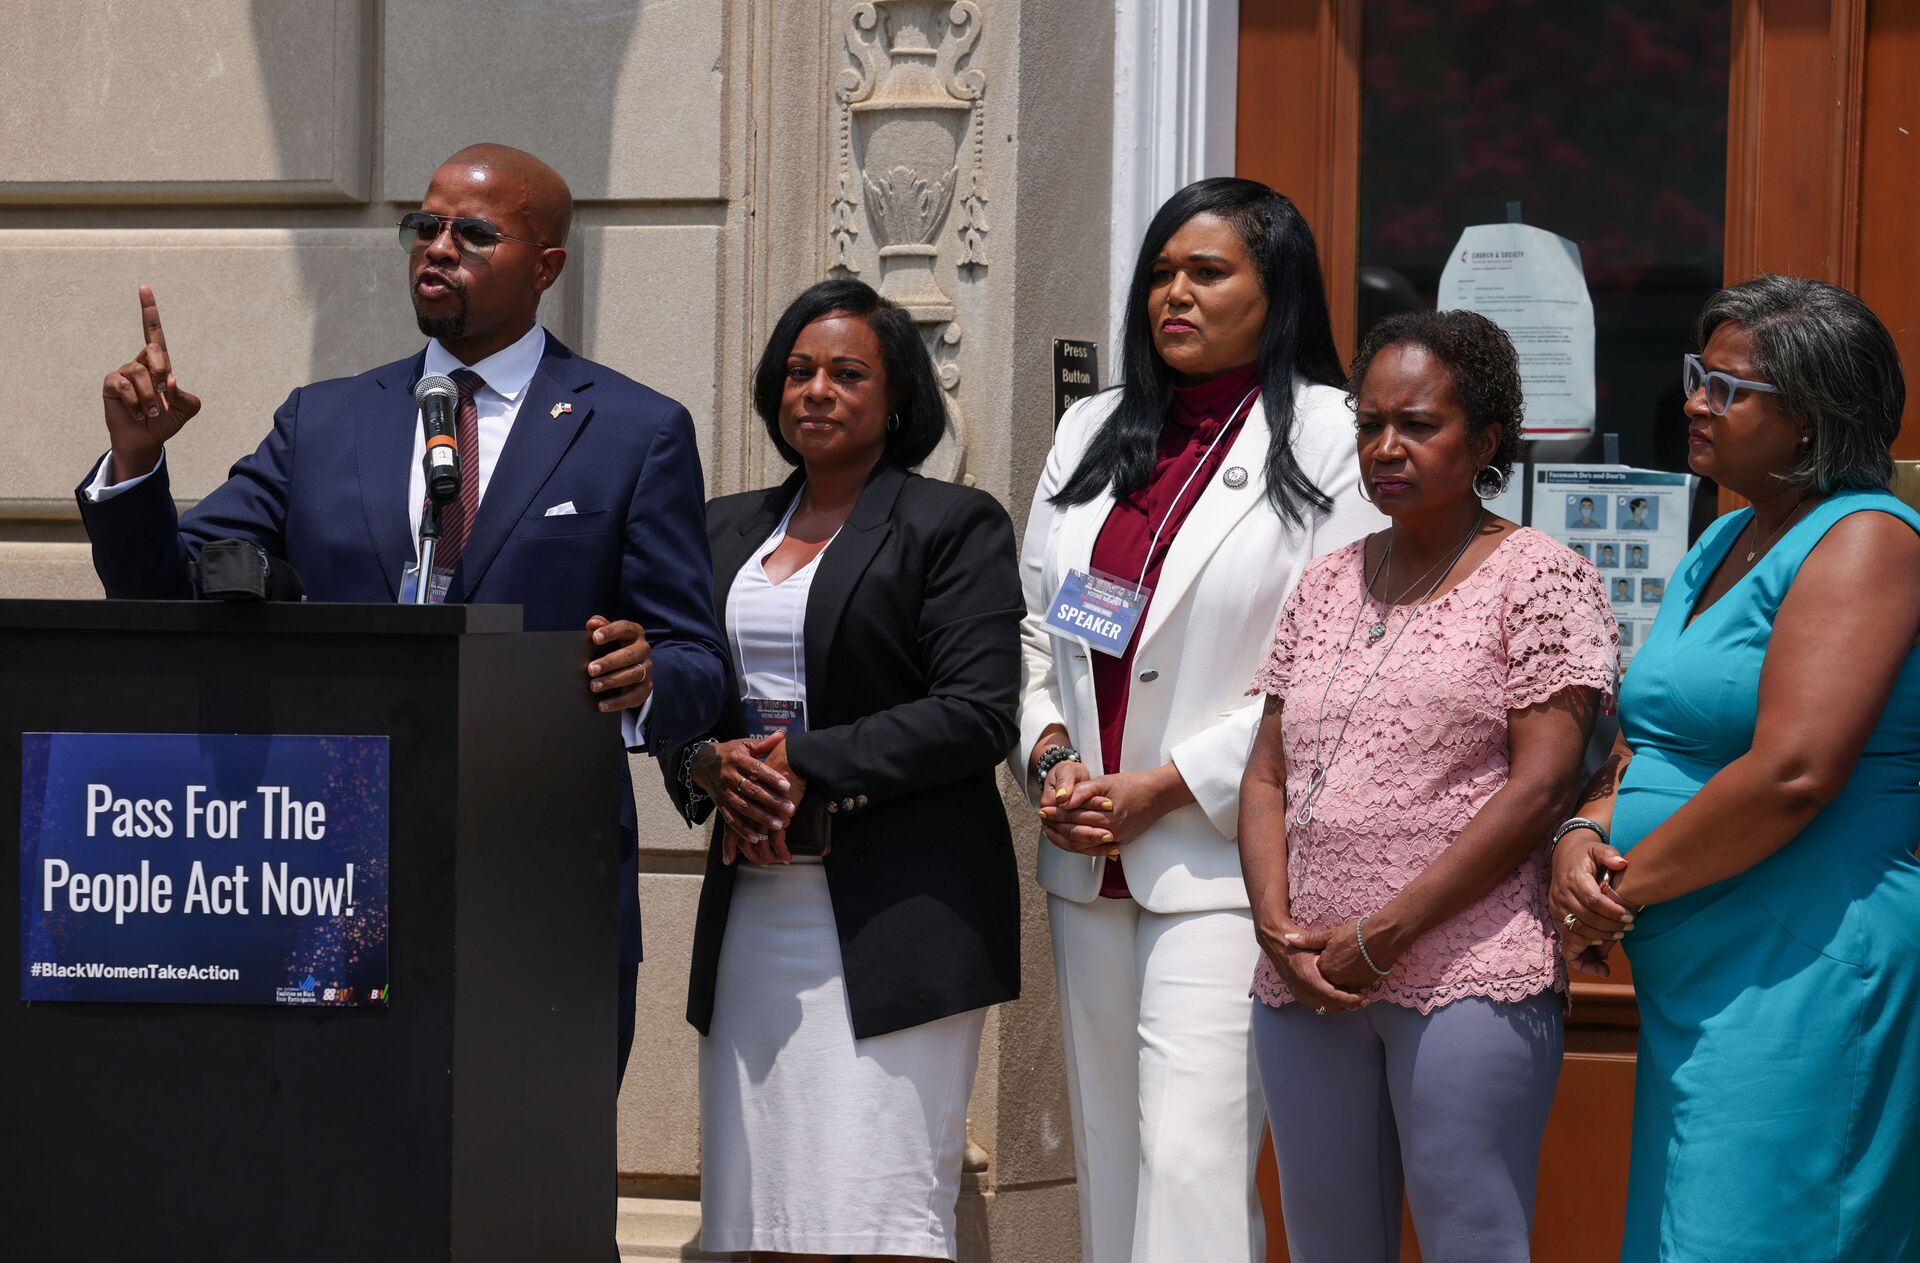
x=169, y=868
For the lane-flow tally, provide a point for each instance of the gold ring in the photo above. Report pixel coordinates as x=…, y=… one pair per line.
x=1570, y=920
x=1319, y=1012
x=1114, y=854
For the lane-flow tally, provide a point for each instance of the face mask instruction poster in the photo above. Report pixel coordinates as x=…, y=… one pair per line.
x=170, y=868
x=1530, y=282
x=1630, y=523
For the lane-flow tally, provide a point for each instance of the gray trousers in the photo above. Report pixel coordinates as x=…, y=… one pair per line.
x=1451, y=1106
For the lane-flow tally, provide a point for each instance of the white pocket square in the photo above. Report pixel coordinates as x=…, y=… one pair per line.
x=561, y=510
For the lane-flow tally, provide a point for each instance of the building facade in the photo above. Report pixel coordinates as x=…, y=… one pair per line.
x=989, y=163
x=249, y=158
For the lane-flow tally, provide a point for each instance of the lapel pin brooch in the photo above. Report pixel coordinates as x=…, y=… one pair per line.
x=560, y=409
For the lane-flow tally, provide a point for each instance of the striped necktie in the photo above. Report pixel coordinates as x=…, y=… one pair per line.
x=456, y=519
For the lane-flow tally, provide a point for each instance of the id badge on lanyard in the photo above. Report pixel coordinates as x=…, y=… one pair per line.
x=768, y=715
x=1102, y=611
x=436, y=594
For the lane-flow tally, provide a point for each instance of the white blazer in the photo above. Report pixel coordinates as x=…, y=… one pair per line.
x=1206, y=631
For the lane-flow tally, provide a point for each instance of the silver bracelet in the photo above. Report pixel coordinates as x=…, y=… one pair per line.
x=694, y=795
x=1577, y=822
x=1361, y=943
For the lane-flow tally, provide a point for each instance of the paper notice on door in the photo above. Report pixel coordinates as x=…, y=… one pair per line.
x=1530, y=283
x=1630, y=523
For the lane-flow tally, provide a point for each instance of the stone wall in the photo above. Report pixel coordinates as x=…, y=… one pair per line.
x=248, y=159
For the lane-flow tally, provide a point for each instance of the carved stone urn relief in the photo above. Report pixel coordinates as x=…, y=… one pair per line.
x=911, y=146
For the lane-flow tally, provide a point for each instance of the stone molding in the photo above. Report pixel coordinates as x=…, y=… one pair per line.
x=205, y=103
x=910, y=141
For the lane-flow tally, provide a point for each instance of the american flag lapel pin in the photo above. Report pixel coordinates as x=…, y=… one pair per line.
x=560, y=409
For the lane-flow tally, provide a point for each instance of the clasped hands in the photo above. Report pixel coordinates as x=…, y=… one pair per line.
x=756, y=791
x=1600, y=918
x=1322, y=968
x=1096, y=815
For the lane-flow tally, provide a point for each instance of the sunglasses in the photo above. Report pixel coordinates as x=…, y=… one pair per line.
x=1720, y=387
x=474, y=238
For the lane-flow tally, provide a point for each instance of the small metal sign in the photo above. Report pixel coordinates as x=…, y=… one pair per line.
x=1076, y=373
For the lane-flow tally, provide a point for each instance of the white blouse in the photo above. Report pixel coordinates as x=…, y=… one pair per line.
x=766, y=624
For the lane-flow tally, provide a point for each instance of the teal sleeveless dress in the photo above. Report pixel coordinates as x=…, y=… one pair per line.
x=1776, y=1113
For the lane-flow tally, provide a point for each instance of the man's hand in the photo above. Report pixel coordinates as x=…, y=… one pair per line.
x=623, y=678
x=144, y=405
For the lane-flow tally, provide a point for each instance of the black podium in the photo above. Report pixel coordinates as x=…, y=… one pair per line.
x=473, y=1118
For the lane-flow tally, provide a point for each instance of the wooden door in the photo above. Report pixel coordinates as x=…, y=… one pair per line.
x=1822, y=168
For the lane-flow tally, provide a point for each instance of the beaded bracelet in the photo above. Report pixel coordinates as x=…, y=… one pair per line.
x=1053, y=756
x=1361, y=943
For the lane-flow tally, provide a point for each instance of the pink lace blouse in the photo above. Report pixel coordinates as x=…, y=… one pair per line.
x=1426, y=749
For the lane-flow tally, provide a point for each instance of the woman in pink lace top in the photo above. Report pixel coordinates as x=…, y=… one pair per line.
x=1431, y=691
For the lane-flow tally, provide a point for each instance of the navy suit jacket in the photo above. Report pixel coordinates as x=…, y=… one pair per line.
x=327, y=491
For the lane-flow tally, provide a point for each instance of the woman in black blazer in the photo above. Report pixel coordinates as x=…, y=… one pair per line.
x=873, y=620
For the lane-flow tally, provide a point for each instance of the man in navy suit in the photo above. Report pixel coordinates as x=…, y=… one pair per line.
x=582, y=498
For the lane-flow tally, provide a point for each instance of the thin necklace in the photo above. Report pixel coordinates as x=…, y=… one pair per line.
x=1379, y=629
x=1757, y=549
x=1302, y=815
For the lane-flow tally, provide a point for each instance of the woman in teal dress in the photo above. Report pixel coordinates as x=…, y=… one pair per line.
x=1764, y=805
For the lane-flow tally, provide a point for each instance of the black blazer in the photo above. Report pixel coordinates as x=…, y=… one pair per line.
x=913, y=682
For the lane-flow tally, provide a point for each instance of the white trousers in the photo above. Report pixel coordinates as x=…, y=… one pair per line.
x=1161, y=1078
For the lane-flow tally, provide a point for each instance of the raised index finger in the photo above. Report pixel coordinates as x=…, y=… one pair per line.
x=150, y=330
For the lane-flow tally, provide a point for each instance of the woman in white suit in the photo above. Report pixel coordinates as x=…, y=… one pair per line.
x=1173, y=516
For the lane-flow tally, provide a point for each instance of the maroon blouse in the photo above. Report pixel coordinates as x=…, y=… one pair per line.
x=1199, y=413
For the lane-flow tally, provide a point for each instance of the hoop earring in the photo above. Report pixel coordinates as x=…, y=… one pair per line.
x=1491, y=482
x=893, y=423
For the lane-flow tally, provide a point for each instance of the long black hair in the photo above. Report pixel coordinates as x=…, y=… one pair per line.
x=1298, y=338
x=919, y=411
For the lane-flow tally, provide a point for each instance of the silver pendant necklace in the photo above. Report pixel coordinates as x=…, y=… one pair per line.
x=1302, y=814
x=1379, y=629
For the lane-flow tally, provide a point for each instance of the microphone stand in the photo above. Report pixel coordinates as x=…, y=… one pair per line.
x=429, y=537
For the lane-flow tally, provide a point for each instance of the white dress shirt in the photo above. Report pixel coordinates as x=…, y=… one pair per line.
x=505, y=373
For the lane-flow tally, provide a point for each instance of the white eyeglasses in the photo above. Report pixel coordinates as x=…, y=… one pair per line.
x=1720, y=387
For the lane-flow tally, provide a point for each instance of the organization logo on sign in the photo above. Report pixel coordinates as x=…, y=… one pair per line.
x=306, y=991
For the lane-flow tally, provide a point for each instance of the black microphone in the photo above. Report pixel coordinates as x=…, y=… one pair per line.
x=437, y=396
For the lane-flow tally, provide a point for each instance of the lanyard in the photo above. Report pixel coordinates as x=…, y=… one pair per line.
x=796, y=609
x=1235, y=417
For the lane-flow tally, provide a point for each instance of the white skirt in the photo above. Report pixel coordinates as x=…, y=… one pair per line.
x=813, y=1142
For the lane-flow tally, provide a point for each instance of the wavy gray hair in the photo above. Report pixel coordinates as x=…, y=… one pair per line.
x=1837, y=369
